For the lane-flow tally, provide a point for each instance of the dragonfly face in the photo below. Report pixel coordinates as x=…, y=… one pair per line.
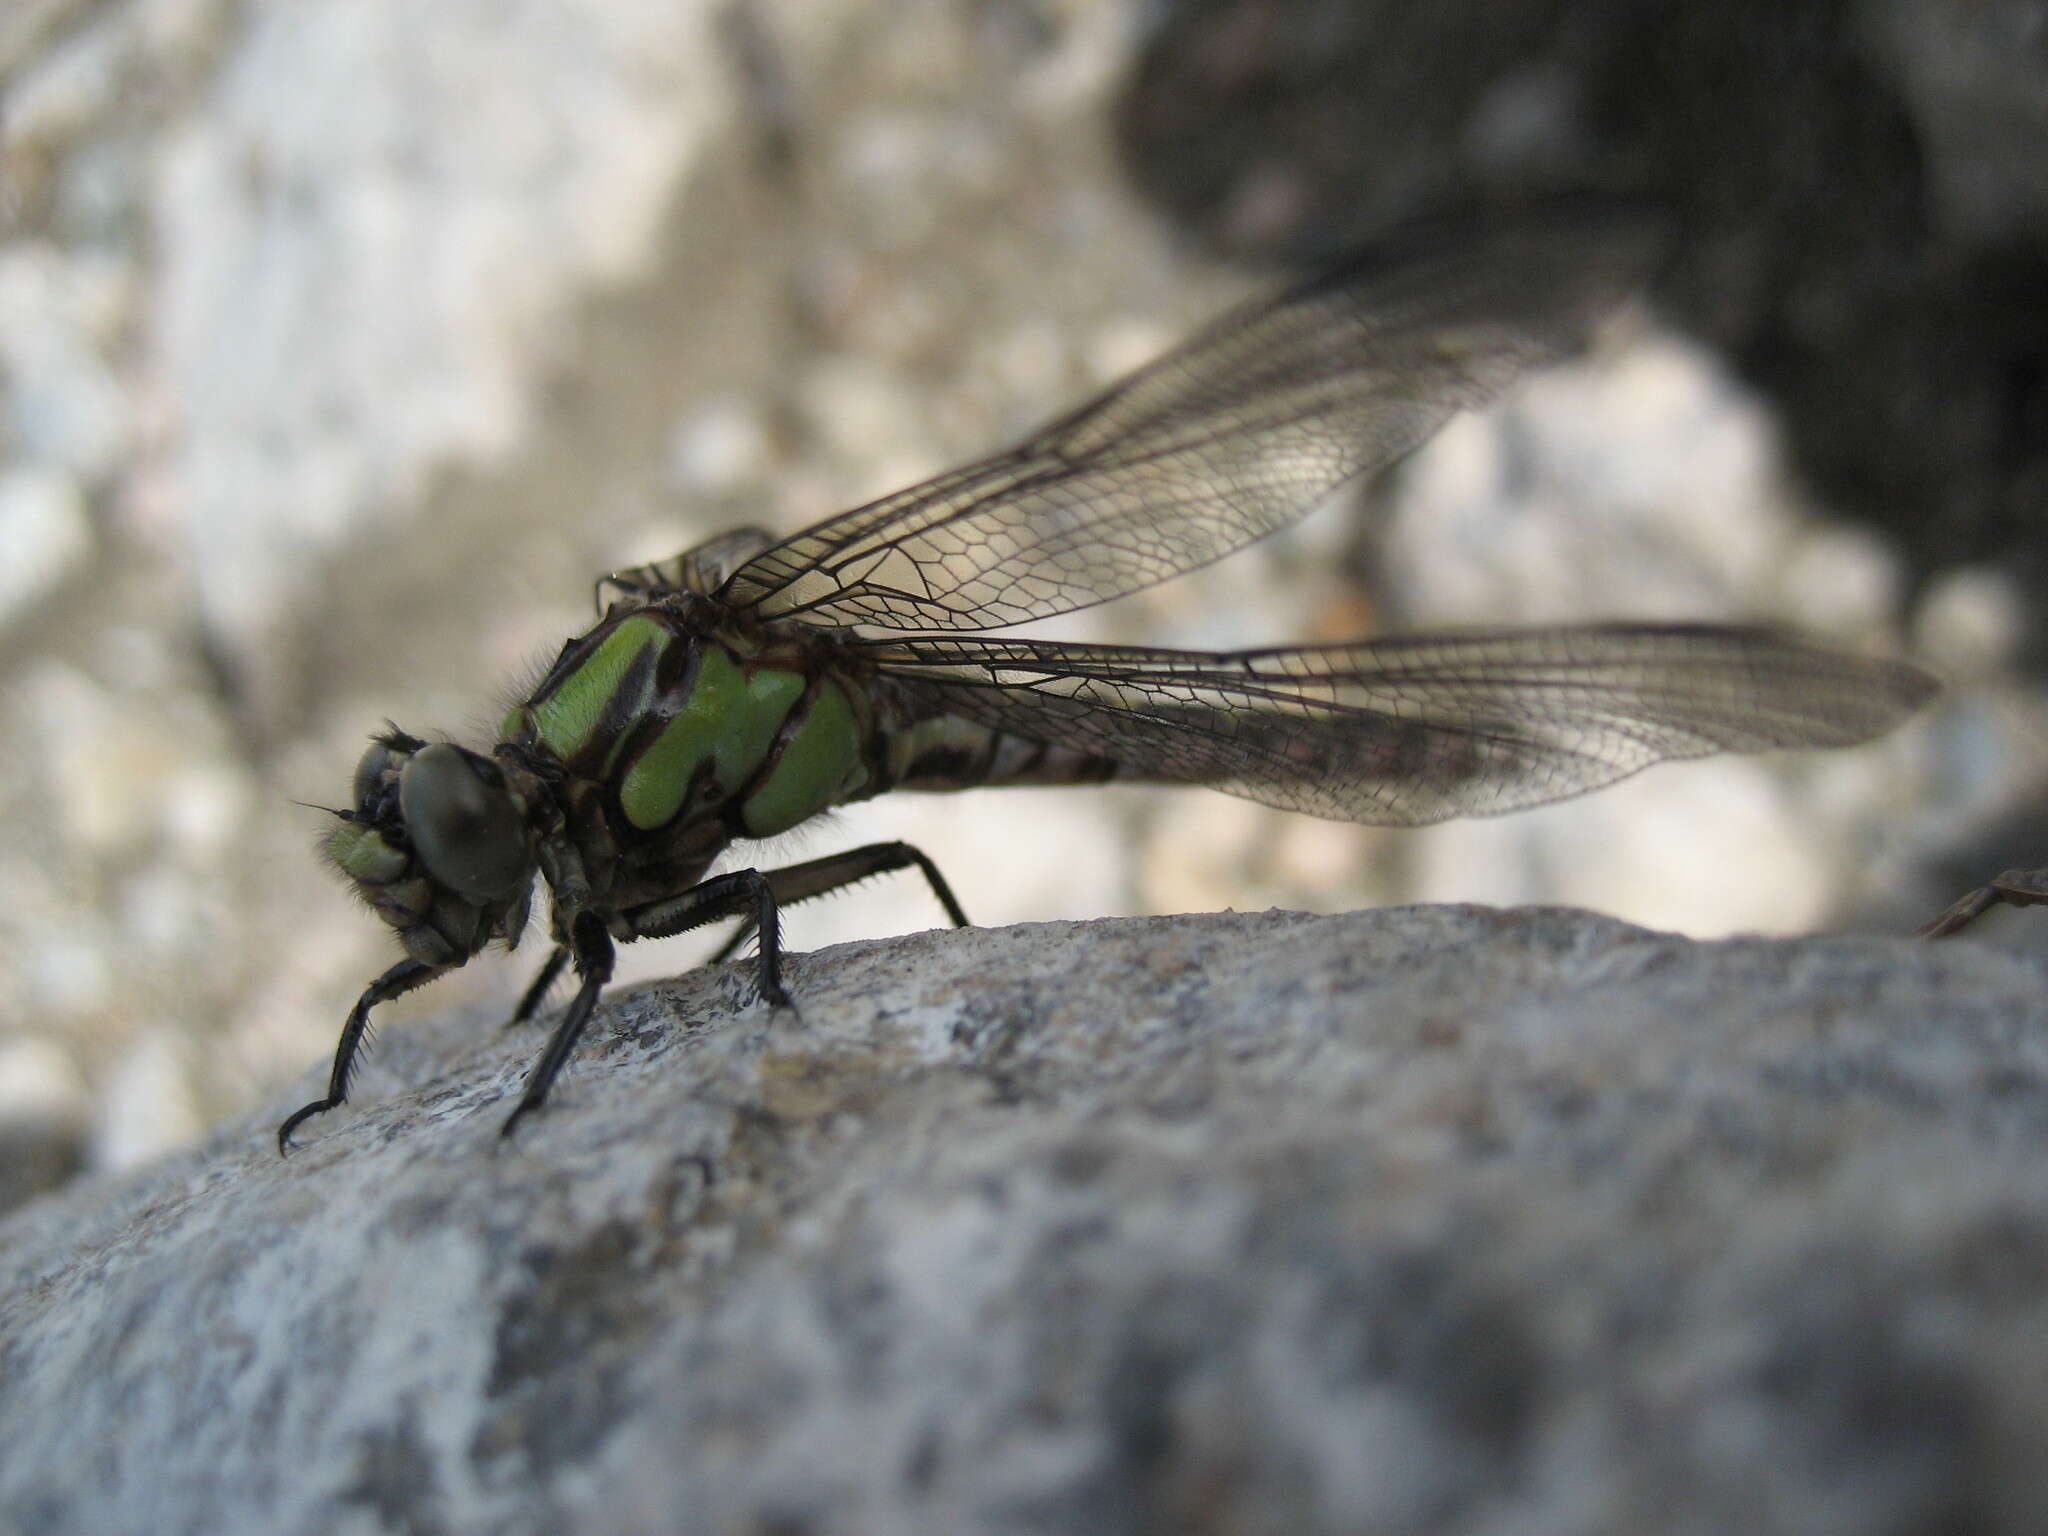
x=748, y=684
x=437, y=843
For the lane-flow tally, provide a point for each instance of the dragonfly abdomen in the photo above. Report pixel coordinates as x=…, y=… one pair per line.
x=946, y=752
x=680, y=726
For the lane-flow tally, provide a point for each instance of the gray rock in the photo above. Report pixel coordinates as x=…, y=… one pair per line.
x=1442, y=1219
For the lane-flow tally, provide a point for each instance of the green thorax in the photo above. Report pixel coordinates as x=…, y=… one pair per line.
x=680, y=725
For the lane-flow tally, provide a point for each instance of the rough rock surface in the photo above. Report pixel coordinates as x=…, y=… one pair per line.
x=1444, y=1219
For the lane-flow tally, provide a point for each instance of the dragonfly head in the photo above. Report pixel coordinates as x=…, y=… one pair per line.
x=437, y=841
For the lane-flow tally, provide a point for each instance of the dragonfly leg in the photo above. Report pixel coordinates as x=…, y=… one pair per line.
x=401, y=978
x=818, y=877
x=592, y=949
x=727, y=895
x=538, y=992
x=2014, y=888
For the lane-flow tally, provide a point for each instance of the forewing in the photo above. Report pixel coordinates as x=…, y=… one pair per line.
x=1405, y=732
x=1237, y=433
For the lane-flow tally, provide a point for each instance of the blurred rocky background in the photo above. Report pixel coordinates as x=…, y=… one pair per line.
x=343, y=342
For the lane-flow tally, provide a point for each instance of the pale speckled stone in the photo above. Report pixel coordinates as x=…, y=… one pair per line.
x=422, y=212
x=146, y=1106
x=1424, y=1219
x=1969, y=621
x=44, y=536
x=65, y=411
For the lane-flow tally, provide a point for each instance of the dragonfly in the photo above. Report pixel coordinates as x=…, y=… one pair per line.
x=749, y=684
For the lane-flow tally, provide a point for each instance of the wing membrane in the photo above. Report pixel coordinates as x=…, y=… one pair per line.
x=1238, y=433
x=1409, y=731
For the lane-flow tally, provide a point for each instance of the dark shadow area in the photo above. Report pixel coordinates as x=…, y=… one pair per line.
x=1859, y=190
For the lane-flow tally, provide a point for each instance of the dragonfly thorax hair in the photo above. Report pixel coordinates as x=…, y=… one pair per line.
x=746, y=685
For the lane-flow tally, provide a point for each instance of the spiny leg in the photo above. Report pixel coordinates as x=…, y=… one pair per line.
x=401, y=978
x=818, y=877
x=728, y=895
x=542, y=984
x=751, y=893
x=592, y=949
x=593, y=952
x=2014, y=888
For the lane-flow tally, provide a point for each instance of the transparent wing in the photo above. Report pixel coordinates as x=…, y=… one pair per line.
x=1408, y=731
x=1239, y=432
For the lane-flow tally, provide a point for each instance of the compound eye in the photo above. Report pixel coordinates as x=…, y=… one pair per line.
x=379, y=764
x=384, y=755
x=465, y=827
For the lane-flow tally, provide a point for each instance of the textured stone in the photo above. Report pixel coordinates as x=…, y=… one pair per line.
x=44, y=536
x=1424, y=1219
